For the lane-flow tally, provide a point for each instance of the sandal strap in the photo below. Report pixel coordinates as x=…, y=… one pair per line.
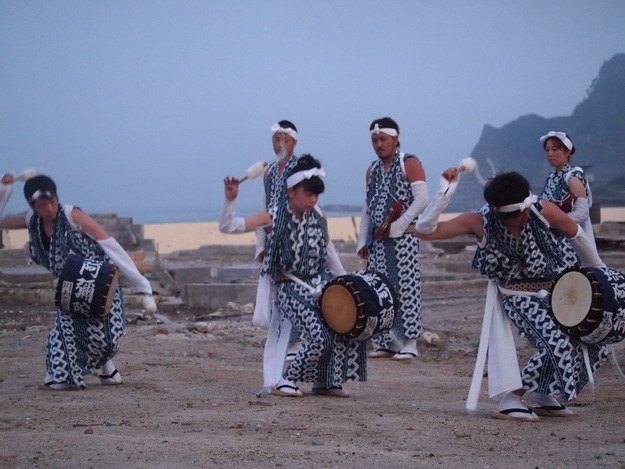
x=115, y=372
x=288, y=386
x=510, y=411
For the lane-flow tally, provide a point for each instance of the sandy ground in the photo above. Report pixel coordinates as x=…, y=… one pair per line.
x=189, y=400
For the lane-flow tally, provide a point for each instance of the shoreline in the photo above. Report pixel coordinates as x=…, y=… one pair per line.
x=169, y=237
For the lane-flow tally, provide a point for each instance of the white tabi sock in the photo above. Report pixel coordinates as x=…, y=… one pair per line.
x=544, y=400
x=511, y=400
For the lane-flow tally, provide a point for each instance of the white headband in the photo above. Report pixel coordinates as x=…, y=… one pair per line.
x=376, y=130
x=299, y=176
x=275, y=128
x=38, y=194
x=561, y=135
x=527, y=203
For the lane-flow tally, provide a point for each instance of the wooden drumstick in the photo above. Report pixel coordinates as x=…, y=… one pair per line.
x=254, y=171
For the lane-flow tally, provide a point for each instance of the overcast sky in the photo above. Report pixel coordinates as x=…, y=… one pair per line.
x=140, y=108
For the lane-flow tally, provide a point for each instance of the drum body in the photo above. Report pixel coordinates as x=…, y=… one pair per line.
x=358, y=306
x=589, y=304
x=86, y=287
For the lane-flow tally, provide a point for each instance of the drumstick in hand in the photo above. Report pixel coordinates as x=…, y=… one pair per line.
x=254, y=171
x=467, y=165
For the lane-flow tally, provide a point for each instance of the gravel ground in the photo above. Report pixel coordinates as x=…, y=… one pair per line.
x=189, y=399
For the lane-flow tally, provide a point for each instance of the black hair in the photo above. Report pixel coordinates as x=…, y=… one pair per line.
x=315, y=184
x=505, y=189
x=561, y=144
x=386, y=123
x=287, y=125
x=41, y=183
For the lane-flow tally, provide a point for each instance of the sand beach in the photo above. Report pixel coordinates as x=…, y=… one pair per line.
x=170, y=237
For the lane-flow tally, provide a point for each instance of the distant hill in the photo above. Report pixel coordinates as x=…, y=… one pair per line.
x=597, y=128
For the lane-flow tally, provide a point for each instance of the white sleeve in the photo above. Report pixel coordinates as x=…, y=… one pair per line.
x=228, y=223
x=420, y=194
x=428, y=221
x=580, y=211
x=365, y=221
x=334, y=262
x=5, y=194
x=586, y=251
x=261, y=234
x=127, y=267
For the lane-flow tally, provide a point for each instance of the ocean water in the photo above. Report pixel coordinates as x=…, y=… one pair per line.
x=202, y=213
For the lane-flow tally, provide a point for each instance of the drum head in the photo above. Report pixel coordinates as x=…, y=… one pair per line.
x=338, y=308
x=571, y=298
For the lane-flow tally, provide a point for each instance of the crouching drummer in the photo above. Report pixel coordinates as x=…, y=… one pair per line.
x=523, y=244
x=296, y=260
x=78, y=344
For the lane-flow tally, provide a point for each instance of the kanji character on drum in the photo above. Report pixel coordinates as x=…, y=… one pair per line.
x=296, y=260
x=523, y=245
x=81, y=342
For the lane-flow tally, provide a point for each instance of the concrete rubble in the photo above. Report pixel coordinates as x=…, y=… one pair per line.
x=220, y=280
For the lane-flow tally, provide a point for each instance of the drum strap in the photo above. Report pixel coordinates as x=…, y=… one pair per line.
x=316, y=292
x=542, y=293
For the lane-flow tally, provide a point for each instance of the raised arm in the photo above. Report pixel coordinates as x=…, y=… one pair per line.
x=229, y=222
x=465, y=223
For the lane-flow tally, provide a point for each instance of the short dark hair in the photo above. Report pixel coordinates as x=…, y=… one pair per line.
x=385, y=123
x=287, y=125
x=39, y=187
x=505, y=189
x=315, y=184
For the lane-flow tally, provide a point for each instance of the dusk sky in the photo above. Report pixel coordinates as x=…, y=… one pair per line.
x=141, y=107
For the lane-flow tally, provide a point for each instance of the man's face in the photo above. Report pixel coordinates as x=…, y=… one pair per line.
x=283, y=145
x=384, y=145
x=46, y=208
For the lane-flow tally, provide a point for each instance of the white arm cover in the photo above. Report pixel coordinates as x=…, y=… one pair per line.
x=420, y=193
x=261, y=235
x=365, y=220
x=261, y=239
x=580, y=211
x=5, y=194
x=586, y=251
x=428, y=221
x=228, y=223
x=126, y=266
x=334, y=262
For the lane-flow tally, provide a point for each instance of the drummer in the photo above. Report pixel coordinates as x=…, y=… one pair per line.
x=523, y=244
x=296, y=260
x=77, y=345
